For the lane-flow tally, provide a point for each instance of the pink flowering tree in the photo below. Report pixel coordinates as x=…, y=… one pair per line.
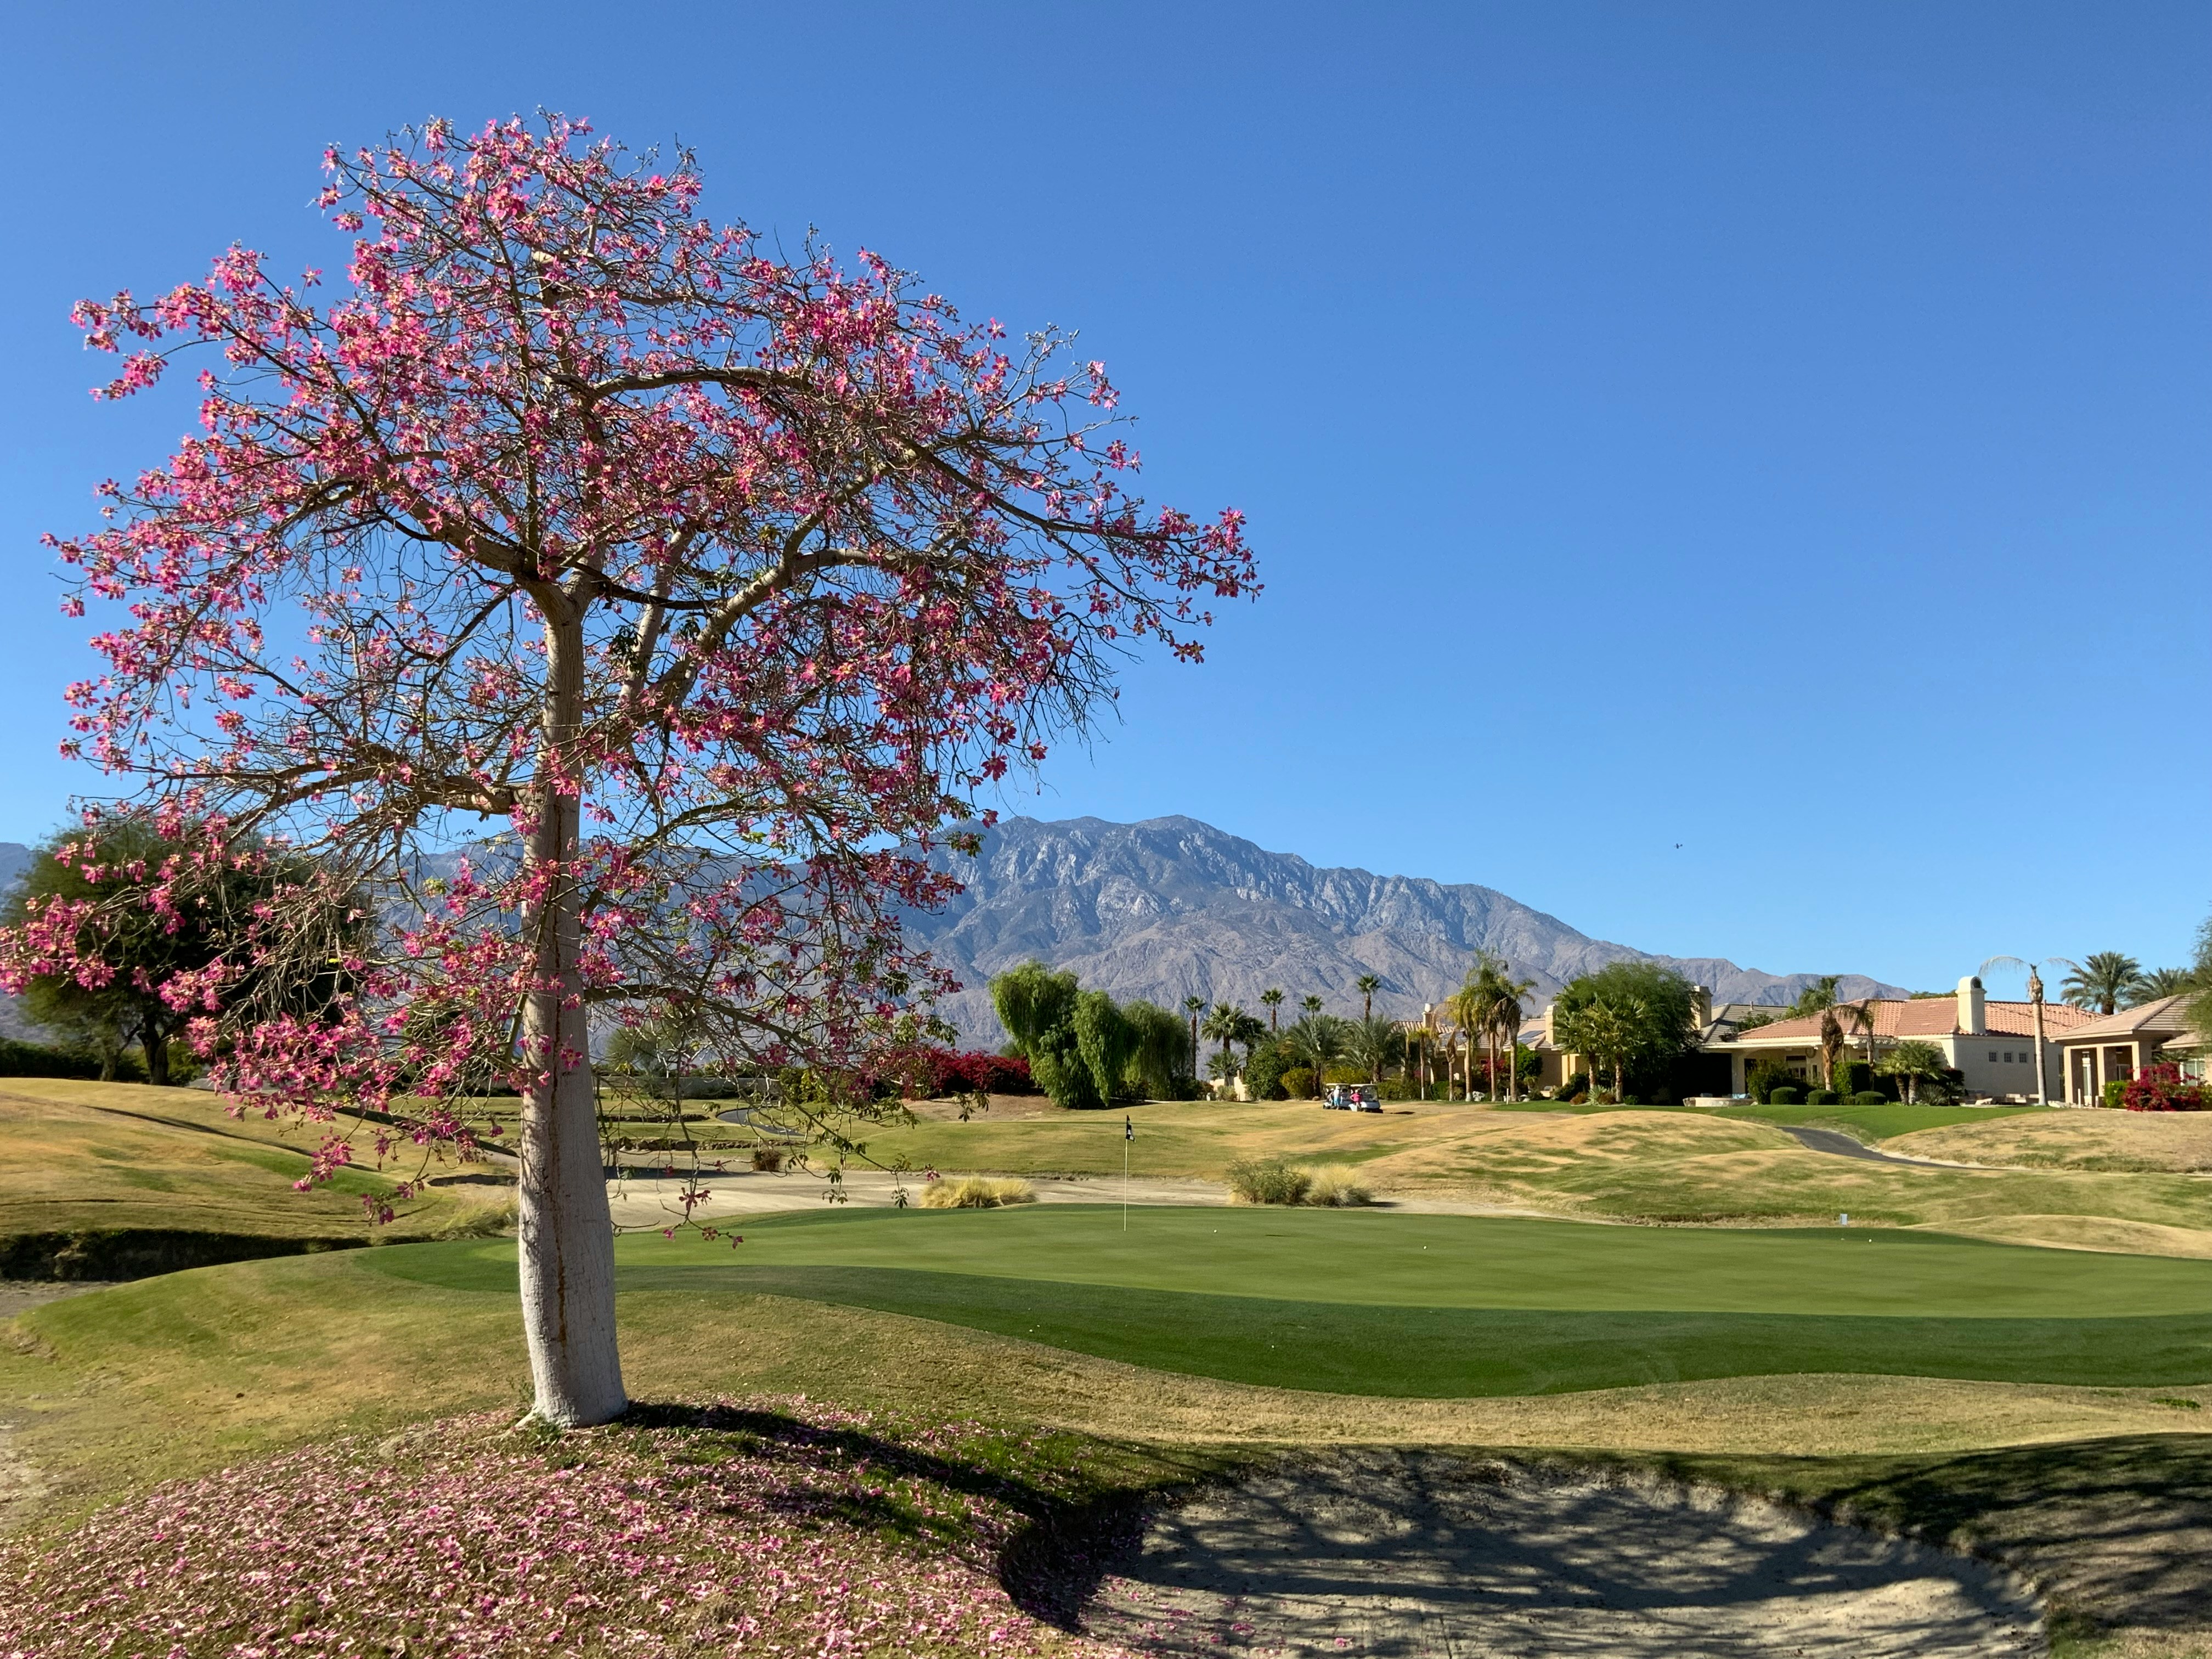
x=633, y=612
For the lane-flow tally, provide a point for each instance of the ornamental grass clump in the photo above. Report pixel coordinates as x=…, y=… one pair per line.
x=769, y=1527
x=975, y=1193
x=1333, y=1186
x=1267, y=1180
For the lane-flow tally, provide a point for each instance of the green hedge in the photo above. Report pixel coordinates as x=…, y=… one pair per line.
x=37, y=1060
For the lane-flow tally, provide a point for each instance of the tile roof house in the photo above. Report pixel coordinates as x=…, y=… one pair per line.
x=1992, y=1043
x=2113, y=1049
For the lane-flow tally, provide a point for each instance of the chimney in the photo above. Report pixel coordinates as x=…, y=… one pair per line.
x=1701, y=1007
x=1550, y=1041
x=1972, y=1020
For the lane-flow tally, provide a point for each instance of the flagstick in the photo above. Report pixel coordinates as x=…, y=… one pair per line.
x=1128, y=1134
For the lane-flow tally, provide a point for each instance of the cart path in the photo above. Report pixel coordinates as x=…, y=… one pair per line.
x=1412, y=1554
x=1842, y=1146
x=654, y=1197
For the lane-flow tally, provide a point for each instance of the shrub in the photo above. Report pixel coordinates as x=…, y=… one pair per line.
x=975, y=1193
x=1782, y=1095
x=1334, y=1187
x=1853, y=1076
x=951, y=1073
x=1763, y=1076
x=2114, y=1092
x=40, y=1059
x=1267, y=1180
x=1297, y=1082
x=1265, y=1067
x=768, y=1159
x=1870, y=1097
x=1572, y=1088
x=1343, y=1074
x=2162, y=1088
x=1821, y=1098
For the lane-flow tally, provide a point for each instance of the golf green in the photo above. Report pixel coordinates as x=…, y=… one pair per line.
x=1441, y=1306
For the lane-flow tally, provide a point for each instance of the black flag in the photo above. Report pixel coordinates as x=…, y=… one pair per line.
x=1128, y=1128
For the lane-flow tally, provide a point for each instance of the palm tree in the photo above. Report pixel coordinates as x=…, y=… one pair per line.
x=1819, y=997
x=1194, y=1006
x=2100, y=981
x=2152, y=983
x=1273, y=999
x=1310, y=1006
x=1912, y=1062
x=1316, y=1042
x=1367, y=984
x=1603, y=1033
x=1470, y=1012
x=1373, y=1044
x=2035, y=1003
x=1506, y=1014
x=1226, y=1025
x=1861, y=1015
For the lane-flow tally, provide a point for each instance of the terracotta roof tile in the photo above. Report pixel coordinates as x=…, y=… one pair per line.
x=1928, y=1016
x=2166, y=1014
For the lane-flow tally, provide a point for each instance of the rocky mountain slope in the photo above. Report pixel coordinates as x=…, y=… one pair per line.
x=1173, y=907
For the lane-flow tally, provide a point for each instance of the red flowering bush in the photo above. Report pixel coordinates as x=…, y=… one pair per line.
x=2162, y=1089
x=768, y=1528
x=975, y=1072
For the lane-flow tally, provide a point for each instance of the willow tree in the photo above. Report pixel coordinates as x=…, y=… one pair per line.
x=705, y=586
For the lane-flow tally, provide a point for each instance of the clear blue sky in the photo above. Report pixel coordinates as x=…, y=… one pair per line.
x=1777, y=429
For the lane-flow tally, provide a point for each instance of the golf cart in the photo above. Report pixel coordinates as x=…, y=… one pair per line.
x=1352, y=1097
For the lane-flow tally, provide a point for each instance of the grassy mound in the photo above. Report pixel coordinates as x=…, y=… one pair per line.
x=1674, y=1165
x=774, y=1526
x=113, y=1180
x=2076, y=1140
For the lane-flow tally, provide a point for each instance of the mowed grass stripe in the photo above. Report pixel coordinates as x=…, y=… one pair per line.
x=1337, y=1347
x=1452, y=1261
x=1597, y=1308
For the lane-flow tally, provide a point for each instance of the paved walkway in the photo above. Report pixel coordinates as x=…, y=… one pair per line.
x=1842, y=1146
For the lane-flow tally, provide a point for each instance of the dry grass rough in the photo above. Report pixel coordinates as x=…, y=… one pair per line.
x=975, y=1193
x=2094, y=1140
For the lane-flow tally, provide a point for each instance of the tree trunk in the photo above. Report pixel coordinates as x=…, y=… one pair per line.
x=155, y=1042
x=567, y=1230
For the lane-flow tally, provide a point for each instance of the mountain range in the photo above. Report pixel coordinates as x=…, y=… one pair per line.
x=1172, y=907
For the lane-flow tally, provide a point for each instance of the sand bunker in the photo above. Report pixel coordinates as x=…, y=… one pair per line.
x=1413, y=1554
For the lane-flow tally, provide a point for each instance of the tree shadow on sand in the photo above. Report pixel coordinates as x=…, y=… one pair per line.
x=1413, y=1554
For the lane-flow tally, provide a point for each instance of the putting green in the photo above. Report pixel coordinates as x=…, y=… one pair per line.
x=1440, y=1306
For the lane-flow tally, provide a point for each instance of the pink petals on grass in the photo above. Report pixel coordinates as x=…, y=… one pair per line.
x=817, y=1537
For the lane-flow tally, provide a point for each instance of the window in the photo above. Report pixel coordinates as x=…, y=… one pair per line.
x=2007, y=1059
x=1993, y=1056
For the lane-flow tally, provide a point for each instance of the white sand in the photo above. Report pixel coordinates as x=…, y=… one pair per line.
x=1413, y=1554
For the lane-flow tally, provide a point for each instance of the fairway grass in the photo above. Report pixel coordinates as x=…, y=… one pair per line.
x=107, y=1392
x=1450, y=1306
